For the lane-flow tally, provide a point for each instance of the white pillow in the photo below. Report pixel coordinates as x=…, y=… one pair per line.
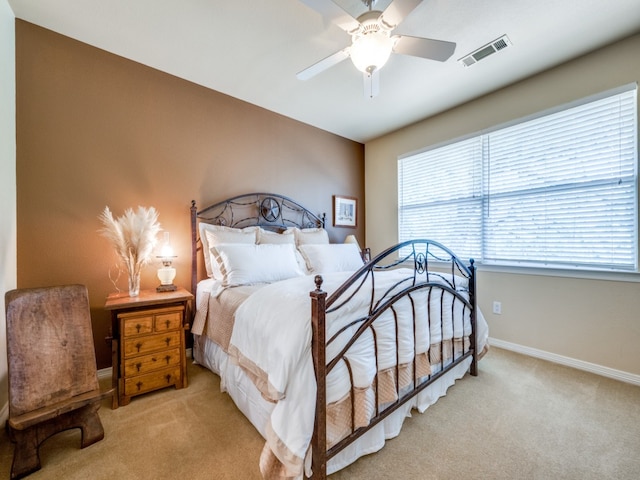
x=287, y=237
x=329, y=258
x=267, y=236
x=307, y=236
x=211, y=235
x=250, y=264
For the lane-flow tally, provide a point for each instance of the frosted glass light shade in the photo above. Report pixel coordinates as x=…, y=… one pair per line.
x=371, y=51
x=166, y=251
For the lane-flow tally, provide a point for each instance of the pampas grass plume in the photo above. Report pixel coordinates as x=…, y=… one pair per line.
x=133, y=235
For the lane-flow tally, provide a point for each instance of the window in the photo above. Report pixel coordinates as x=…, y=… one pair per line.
x=558, y=190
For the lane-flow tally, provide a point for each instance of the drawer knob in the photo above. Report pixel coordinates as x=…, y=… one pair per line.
x=138, y=366
x=139, y=385
x=168, y=377
x=167, y=358
x=167, y=340
x=168, y=323
x=138, y=327
x=138, y=346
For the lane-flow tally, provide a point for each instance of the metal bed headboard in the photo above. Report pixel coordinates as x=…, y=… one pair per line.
x=270, y=211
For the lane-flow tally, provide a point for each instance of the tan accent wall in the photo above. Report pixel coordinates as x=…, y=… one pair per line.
x=591, y=321
x=7, y=185
x=95, y=129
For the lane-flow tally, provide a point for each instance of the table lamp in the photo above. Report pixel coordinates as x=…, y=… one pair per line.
x=166, y=273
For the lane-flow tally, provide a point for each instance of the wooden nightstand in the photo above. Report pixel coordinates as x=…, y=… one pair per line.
x=148, y=342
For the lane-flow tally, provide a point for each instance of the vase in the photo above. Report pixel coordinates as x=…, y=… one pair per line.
x=134, y=284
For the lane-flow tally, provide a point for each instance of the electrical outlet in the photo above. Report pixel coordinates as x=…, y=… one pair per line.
x=497, y=308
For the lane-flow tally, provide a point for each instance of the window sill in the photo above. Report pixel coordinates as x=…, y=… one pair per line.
x=633, y=277
x=558, y=272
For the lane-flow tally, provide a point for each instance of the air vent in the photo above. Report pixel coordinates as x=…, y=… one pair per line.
x=483, y=52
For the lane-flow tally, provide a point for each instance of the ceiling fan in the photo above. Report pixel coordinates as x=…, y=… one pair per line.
x=372, y=41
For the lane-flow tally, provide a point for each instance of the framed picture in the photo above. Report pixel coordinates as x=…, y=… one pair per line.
x=344, y=211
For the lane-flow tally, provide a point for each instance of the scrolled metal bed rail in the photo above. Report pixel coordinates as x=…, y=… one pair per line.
x=431, y=268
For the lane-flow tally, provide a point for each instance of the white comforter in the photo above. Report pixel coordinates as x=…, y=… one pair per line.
x=271, y=340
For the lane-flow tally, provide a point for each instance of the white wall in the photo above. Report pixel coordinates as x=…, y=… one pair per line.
x=8, y=247
x=594, y=322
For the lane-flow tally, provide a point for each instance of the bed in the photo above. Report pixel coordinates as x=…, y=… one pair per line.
x=324, y=353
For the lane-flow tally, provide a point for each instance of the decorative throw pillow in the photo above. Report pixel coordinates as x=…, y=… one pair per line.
x=267, y=236
x=251, y=264
x=329, y=258
x=306, y=236
x=211, y=235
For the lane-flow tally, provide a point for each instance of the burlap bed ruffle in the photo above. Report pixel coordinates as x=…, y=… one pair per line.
x=341, y=422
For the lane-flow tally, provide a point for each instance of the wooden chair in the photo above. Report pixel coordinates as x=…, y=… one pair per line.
x=53, y=382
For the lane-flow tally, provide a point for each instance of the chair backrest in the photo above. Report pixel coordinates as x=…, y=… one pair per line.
x=51, y=356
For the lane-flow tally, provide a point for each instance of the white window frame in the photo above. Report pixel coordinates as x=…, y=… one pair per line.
x=452, y=235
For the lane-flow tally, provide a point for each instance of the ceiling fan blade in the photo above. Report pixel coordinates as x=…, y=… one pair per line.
x=424, y=47
x=371, y=83
x=323, y=64
x=334, y=13
x=397, y=11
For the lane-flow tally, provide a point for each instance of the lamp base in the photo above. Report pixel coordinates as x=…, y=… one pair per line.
x=166, y=288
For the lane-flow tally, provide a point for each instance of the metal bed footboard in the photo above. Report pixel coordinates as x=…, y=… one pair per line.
x=432, y=271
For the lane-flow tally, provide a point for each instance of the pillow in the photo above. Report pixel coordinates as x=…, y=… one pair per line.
x=329, y=258
x=211, y=235
x=288, y=237
x=308, y=236
x=267, y=236
x=250, y=264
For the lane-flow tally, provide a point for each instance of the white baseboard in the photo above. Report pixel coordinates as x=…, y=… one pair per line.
x=104, y=373
x=4, y=414
x=567, y=361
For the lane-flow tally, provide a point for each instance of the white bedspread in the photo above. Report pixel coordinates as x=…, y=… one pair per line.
x=272, y=336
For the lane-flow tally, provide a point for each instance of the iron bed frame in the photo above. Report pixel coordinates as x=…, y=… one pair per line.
x=276, y=212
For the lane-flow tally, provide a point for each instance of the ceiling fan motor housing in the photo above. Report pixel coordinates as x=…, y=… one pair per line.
x=371, y=43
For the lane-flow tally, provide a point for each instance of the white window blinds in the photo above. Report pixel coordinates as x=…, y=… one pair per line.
x=555, y=191
x=441, y=196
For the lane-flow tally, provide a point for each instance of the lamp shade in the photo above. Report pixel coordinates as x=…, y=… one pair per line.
x=352, y=239
x=166, y=251
x=166, y=273
x=371, y=51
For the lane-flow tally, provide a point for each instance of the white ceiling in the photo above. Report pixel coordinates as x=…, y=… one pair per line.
x=252, y=50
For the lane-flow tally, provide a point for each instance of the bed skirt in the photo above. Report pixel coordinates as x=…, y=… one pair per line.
x=257, y=410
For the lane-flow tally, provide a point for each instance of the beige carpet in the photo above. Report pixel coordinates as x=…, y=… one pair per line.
x=521, y=418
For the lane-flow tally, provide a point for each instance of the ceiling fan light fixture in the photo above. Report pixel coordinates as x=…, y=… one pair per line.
x=371, y=50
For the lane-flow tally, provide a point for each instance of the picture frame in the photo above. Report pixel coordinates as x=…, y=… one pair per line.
x=345, y=211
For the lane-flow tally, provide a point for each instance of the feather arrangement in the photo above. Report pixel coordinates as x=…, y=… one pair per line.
x=134, y=236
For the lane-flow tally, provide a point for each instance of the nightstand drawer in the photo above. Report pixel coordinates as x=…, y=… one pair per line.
x=151, y=343
x=148, y=347
x=151, y=362
x=151, y=381
x=137, y=326
x=168, y=321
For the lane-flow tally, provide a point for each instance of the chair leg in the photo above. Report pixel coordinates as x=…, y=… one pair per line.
x=25, y=456
x=92, y=430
